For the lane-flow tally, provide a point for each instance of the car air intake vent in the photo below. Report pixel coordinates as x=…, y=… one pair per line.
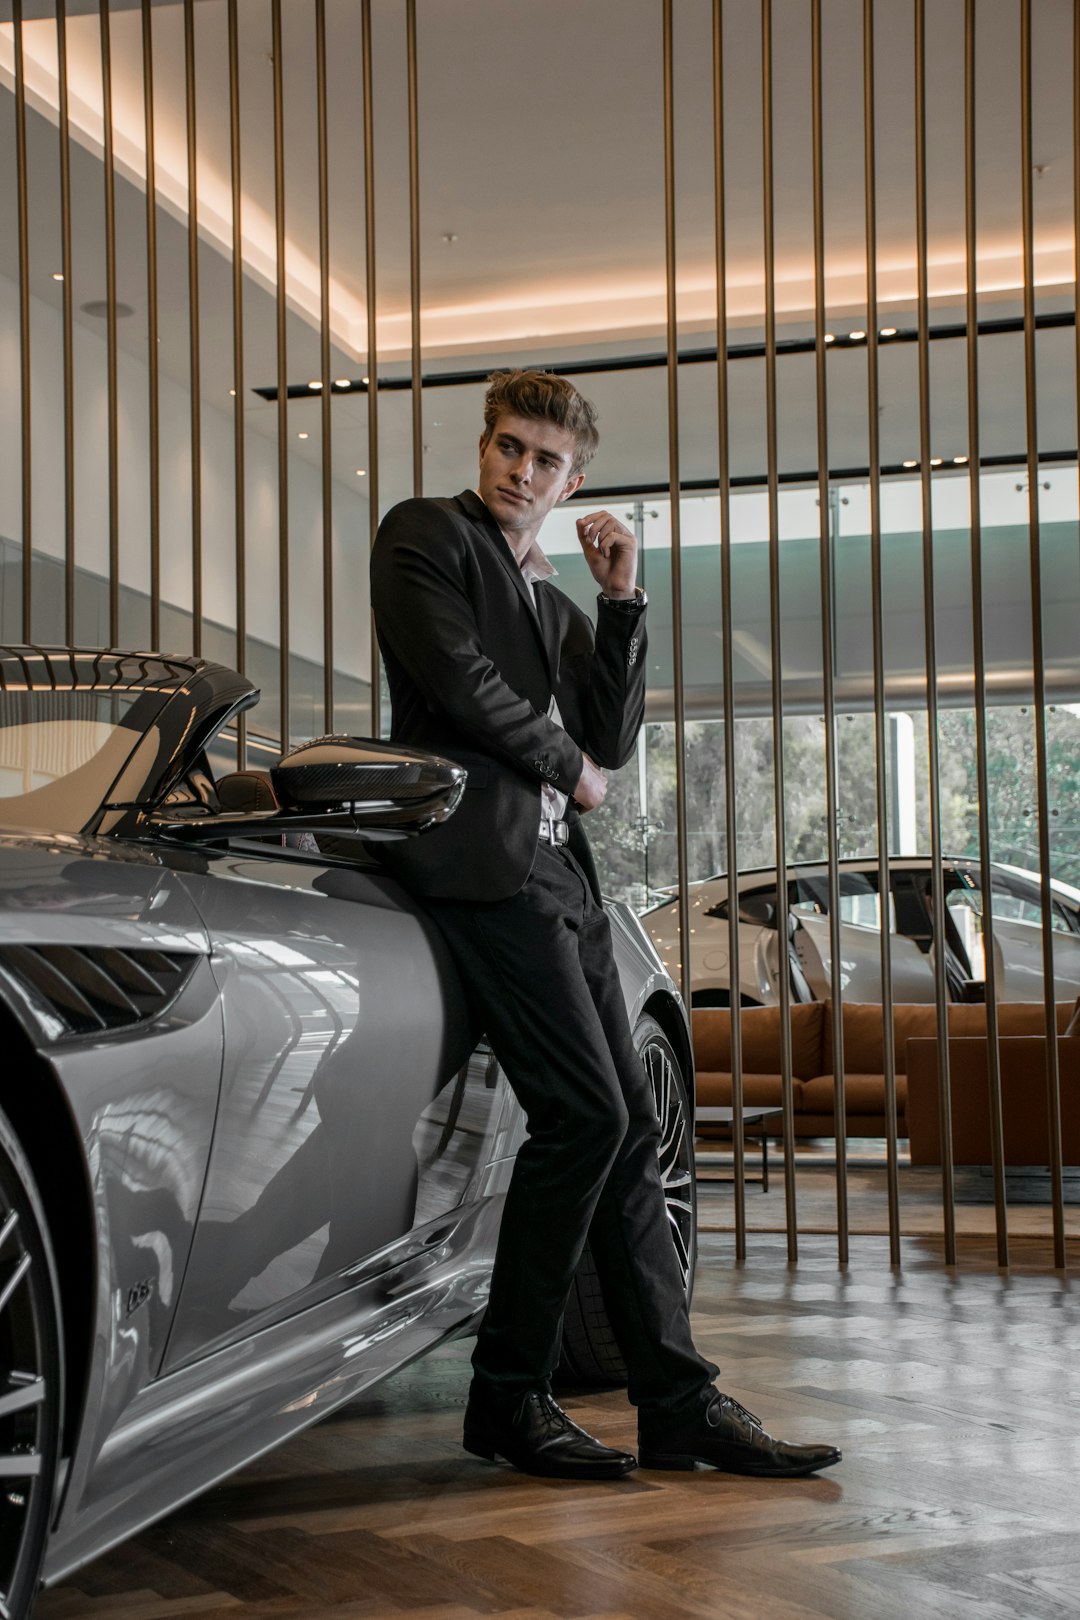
x=91, y=989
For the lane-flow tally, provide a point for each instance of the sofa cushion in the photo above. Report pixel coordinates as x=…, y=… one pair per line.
x=759, y=1090
x=1024, y=1018
x=864, y=1038
x=863, y=1094
x=760, y=1039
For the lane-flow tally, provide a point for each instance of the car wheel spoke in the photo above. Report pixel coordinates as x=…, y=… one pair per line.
x=20, y=1465
x=13, y=1281
x=673, y=1150
x=30, y=1381
x=28, y=1391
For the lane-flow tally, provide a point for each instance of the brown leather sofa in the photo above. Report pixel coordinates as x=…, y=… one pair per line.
x=915, y=1026
x=1024, y=1109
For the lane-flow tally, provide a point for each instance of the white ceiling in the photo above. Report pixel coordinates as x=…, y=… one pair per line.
x=541, y=157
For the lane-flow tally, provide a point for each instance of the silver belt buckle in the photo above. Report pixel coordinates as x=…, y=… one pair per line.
x=554, y=832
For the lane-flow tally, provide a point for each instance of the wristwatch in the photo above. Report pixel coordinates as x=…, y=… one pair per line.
x=627, y=604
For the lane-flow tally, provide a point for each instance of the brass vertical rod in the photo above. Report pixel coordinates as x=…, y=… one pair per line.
x=324, y=372
x=676, y=502
x=1053, y=1079
x=877, y=615
x=937, y=882
x=282, y=377
x=69, y=333
x=152, y=363
x=414, y=249
x=372, y=339
x=239, y=472
x=110, y=336
x=826, y=541
x=776, y=633
x=731, y=835
x=24, y=324
x=993, y=1050
x=193, y=329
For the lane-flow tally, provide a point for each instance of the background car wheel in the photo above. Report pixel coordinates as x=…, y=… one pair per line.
x=30, y=1380
x=589, y=1352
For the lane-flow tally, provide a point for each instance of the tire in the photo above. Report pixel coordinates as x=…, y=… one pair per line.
x=31, y=1380
x=590, y=1354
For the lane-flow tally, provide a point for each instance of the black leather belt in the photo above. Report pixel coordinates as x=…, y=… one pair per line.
x=554, y=832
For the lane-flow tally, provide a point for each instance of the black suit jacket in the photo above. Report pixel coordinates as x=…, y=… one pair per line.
x=472, y=667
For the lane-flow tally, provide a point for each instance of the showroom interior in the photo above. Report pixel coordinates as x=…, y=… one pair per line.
x=814, y=261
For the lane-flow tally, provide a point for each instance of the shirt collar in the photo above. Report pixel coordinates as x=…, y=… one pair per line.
x=534, y=565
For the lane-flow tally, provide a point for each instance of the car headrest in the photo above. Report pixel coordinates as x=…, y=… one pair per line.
x=242, y=791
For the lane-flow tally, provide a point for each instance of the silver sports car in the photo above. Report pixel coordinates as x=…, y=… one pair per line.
x=1016, y=906
x=252, y=1152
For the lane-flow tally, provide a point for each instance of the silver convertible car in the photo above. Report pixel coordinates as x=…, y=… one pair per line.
x=1016, y=910
x=253, y=1155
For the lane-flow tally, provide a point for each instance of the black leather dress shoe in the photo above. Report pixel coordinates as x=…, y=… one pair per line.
x=725, y=1435
x=537, y=1436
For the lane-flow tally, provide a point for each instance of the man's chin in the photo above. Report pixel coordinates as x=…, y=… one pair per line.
x=512, y=514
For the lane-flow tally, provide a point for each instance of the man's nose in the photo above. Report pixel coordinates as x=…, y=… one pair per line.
x=521, y=471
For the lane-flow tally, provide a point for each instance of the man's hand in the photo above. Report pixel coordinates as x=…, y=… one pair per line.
x=611, y=552
x=589, y=793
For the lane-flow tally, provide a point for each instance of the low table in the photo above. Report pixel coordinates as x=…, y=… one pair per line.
x=751, y=1116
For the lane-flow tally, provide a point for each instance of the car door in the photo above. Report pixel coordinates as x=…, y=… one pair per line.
x=860, y=941
x=1018, y=953
x=343, y=1022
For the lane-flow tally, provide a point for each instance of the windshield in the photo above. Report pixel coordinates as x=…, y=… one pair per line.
x=60, y=753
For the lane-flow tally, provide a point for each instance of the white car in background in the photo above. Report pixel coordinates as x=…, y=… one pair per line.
x=1017, y=931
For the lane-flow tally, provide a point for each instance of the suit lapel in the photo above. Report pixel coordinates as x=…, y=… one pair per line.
x=475, y=509
x=548, y=613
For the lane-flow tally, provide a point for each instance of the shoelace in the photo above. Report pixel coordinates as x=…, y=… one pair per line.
x=554, y=1412
x=730, y=1404
x=549, y=1408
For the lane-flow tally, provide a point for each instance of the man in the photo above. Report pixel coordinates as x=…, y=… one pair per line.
x=490, y=664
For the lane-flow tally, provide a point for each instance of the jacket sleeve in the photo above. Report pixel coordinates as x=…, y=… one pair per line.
x=424, y=616
x=615, y=703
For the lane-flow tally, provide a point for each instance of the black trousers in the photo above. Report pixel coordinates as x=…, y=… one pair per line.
x=541, y=973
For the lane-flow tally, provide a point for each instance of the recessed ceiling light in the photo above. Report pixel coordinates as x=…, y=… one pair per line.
x=361, y=472
x=887, y=331
x=830, y=337
x=301, y=435
x=99, y=307
x=935, y=461
x=911, y=463
x=342, y=382
x=365, y=379
x=856, y=337
x=58, y=275
x=232, y=393
x=959, y=460
x=315, y=385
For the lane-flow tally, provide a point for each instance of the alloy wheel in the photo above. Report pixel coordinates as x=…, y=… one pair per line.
x=29, y=1382
x=675, y=1150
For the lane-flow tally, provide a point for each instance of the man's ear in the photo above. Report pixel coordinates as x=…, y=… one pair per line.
x=572, y=486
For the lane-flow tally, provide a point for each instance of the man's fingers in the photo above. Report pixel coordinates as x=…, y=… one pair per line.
x=603, y=532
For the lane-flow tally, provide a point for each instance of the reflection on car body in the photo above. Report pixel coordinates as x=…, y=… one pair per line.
x=253, y=1153
x=1016, y=917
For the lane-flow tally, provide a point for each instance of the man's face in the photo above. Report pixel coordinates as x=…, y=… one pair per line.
x=526, y=468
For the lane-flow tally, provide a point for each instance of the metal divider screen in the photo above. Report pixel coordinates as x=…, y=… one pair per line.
x=816, y=266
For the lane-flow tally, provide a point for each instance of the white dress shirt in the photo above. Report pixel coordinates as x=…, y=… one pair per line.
x=534, y=565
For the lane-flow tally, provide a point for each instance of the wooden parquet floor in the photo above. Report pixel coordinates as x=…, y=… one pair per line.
x=954, y=1394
